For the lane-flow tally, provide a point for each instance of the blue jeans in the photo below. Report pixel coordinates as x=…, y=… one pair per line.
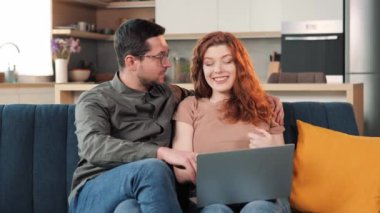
x=142, y=186
x=258, y=206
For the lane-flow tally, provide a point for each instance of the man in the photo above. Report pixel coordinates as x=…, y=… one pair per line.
x=124, y=131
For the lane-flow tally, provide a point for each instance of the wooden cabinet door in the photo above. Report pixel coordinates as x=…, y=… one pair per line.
x=312, y=10
x=234, y=16
x=185, y=16
x=36, y=95
x=266, y=15
x=9, y=96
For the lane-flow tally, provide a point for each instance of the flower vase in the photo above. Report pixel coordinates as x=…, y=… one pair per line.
x=61, y=70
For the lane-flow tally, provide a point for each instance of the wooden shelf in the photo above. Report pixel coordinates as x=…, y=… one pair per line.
x=82, y=34
x=113, y=5
x=93, y=3
x=241, y=35
x=130, y=4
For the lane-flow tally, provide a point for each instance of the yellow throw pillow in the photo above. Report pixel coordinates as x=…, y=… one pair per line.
x=335, y=172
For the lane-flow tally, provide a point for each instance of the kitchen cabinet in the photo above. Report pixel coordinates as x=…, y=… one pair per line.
x=27, y=93
x=184, y=16
x=265, y=15
x=233, y=16
x=246, y=19
x=300, y=10
x=250, y=16
x=185, y=19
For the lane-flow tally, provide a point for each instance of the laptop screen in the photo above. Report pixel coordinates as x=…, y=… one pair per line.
x=244, y=175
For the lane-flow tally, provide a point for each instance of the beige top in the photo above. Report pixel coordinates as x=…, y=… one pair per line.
x=211, y=134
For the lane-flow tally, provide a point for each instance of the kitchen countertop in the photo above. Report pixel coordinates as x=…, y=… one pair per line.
x=26, y=85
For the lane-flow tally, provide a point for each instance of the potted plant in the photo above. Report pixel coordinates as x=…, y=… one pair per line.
x=62, y=48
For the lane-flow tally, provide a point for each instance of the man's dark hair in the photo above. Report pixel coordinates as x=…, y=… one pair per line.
x=131, y=36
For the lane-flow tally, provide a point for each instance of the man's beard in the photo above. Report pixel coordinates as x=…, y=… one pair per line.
x=148, y=83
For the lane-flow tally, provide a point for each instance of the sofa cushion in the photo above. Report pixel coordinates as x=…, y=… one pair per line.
x=38, y=154
x=333, y=115
x=16, y=159
x=335, y=172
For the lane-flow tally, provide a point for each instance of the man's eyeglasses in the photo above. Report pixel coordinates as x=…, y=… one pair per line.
x=163, y=57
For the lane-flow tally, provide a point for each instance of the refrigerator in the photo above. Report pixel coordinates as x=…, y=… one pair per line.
x=362, y=56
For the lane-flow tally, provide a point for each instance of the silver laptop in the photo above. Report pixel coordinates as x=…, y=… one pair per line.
x=245, y=175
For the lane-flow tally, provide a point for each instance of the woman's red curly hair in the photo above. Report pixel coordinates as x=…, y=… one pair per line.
x=248, y=101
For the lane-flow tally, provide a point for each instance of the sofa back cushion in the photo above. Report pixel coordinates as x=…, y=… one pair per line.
x=337, y=116
x=37, y=157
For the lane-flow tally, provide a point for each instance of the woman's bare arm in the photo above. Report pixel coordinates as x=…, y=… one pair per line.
x=183, y=141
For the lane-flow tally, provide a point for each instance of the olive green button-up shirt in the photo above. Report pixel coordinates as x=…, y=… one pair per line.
x=116, y=125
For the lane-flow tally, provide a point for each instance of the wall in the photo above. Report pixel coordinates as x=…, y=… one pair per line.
x=87, y=53
x=259, y=50
x=106, y=55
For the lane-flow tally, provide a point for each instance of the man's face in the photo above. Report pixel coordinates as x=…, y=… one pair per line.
x=153, y=64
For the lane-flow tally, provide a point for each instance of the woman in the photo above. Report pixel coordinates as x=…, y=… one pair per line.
x=230, y=111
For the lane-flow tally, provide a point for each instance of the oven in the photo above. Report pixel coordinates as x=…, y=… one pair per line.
x=313, y=46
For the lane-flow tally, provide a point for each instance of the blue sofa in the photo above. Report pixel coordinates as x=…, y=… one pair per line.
x=38, y=150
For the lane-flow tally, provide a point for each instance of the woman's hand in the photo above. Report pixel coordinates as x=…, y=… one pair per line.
x=187, y=173
x=186, y=168
x=260, y=138
x=184, y=162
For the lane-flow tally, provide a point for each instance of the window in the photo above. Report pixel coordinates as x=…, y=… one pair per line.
x=27, y=24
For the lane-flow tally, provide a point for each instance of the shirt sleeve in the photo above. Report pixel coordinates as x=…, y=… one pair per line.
x=180, y=93
x=186, y=111
x=95, y=143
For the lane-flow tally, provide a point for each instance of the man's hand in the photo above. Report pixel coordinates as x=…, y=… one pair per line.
x=278, y=110
x=180, y=159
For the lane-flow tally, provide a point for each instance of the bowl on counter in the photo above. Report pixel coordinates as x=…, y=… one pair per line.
x=79, y=75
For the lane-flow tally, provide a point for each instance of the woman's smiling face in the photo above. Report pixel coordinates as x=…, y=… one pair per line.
x=219, y=69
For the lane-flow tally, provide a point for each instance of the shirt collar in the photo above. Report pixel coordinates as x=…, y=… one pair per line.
x=119, y=86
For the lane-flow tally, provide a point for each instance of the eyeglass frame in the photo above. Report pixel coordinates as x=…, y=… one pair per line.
x=160, y=56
